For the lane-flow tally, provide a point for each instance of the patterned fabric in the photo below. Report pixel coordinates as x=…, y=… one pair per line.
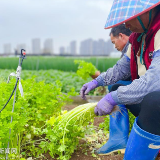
x=157, y=54
x=145, y=84
x=149, y=41
x=135, y=92
x=120, y=71
x=111, y=75
x=123, y=10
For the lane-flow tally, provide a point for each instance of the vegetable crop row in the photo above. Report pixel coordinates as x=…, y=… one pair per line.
x=58, y=63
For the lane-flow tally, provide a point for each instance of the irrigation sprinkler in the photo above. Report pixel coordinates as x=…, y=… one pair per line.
x=17, y=75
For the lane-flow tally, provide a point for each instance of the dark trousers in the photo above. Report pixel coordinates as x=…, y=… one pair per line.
x=148, y=111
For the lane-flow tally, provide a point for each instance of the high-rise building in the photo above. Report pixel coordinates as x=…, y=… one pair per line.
x=7, y=48
x=92, y=47
x=86, y=47
x=101, y=45
x=48, y=46
x=95, y=47
x=36, y=46
x=62, y=50
x=73, y=48
x=98, y=47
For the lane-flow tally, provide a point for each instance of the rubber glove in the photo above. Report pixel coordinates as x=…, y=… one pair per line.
x=105, y=105
x=87, y=88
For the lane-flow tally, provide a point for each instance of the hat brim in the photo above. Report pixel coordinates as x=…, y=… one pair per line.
x=148, y=9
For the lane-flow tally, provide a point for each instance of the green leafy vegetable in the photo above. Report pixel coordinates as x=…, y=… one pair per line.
x=64, y=131
x=85, y=69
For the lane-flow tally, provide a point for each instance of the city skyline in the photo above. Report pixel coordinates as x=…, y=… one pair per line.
x=86, y=47
x=62, y=20
x=36, y=46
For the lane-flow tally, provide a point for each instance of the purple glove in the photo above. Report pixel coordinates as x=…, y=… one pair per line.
x=105, y=105
x=87, y=88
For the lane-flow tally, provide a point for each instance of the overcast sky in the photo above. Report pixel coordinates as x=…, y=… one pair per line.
x=62, y=20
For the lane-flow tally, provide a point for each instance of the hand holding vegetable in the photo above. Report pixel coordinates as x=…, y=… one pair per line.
x=87, y=88
x=105, y=105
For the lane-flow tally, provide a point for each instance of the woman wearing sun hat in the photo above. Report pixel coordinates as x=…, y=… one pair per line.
x=142, y=62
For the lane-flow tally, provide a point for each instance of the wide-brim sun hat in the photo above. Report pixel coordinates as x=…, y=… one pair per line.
x=125, y=10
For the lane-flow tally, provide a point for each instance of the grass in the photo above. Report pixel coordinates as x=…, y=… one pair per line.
x=58, y=63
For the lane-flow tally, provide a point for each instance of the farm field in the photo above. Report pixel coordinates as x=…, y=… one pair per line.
x=46, y=94
x=69, y=79
x=40, y=129
x=57, y=63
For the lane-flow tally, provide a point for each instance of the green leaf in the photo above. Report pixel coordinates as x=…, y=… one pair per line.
x=62, y=148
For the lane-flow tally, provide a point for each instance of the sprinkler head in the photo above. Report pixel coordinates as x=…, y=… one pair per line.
x=23, y=53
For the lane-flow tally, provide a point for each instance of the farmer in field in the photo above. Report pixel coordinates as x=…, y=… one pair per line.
x=142, y=62
x=119, y=36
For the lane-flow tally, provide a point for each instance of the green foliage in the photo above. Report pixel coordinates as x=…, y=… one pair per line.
x=85, y=69
x=40, y=102
x=58, y=63
x=105, y=125
x=64, y=131
x=39, y=125
x=50, y=76
x=131, y=120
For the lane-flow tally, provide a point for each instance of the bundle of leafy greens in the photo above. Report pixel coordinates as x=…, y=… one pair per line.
x=85, y=69
x=63, y=132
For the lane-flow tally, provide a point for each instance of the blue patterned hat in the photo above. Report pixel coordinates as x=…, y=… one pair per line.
x=124, y=10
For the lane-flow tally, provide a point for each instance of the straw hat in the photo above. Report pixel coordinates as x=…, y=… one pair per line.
x=125, y=10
